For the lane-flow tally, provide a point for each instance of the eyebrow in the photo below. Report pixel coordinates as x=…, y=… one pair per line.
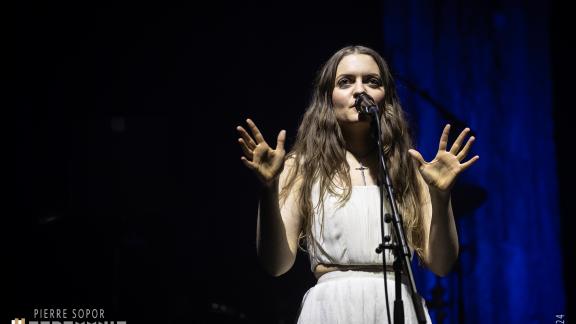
x=352, y=75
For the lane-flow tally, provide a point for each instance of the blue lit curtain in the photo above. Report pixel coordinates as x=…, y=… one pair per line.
x=486, y=65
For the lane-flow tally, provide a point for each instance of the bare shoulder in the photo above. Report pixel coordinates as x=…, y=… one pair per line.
x=288, y=171
x=289, y=183
x=290, y=161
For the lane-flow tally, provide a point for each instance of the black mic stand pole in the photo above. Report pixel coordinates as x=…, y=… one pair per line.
x=400, y=248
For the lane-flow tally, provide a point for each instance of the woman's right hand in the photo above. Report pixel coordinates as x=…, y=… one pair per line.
x=267, y=163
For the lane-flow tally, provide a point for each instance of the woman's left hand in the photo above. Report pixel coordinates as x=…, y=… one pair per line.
x=441, y=173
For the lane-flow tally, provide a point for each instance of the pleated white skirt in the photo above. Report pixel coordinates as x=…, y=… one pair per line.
x=354, y=297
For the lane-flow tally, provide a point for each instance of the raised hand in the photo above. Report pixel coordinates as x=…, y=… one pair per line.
x=267, y=163
x=442, y=171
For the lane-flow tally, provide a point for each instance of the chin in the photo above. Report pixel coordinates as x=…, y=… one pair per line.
x=356, y=121
x=353, y=118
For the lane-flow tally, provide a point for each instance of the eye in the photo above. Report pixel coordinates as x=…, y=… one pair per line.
x=375, y=82
x=344, y=82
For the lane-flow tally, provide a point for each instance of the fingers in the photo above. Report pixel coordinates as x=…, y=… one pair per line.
x=468, y=163
x=417, y=156
x=250, y=165
x=246, y=137
x=247, y=150
x=458, y=142
x=462, y=154
x=248, y=144
x=281, y=140
x=257, y=150
x=257, y=135
x=444, y=138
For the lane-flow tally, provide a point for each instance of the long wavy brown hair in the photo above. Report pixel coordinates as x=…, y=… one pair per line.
x=320, y=151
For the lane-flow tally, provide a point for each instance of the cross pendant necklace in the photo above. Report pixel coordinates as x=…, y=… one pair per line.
x=362, y=168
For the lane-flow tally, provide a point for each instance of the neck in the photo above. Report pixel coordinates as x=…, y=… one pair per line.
x=358, y=141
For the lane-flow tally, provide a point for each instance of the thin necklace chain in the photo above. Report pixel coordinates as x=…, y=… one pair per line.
x=362, y=167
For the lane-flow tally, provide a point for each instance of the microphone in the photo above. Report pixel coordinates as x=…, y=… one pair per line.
x=365, y=104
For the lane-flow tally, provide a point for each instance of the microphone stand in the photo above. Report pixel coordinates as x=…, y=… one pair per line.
x=400, y=248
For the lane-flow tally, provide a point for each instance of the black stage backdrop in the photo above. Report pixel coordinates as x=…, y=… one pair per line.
x=126, y=191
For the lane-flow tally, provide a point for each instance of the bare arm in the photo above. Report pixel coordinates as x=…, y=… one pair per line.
x=277, y=229
x=441, y=236
x=278, y=226
x=437, y=178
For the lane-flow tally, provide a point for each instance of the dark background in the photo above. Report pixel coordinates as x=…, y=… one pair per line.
x=563, y=70
x=126, y=190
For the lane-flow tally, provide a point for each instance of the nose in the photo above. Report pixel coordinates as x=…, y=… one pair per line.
x=358, y=88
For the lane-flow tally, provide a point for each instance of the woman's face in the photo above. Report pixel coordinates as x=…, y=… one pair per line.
x=355, y=73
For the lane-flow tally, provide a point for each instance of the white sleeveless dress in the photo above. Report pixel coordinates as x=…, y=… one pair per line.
x=349, y=236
